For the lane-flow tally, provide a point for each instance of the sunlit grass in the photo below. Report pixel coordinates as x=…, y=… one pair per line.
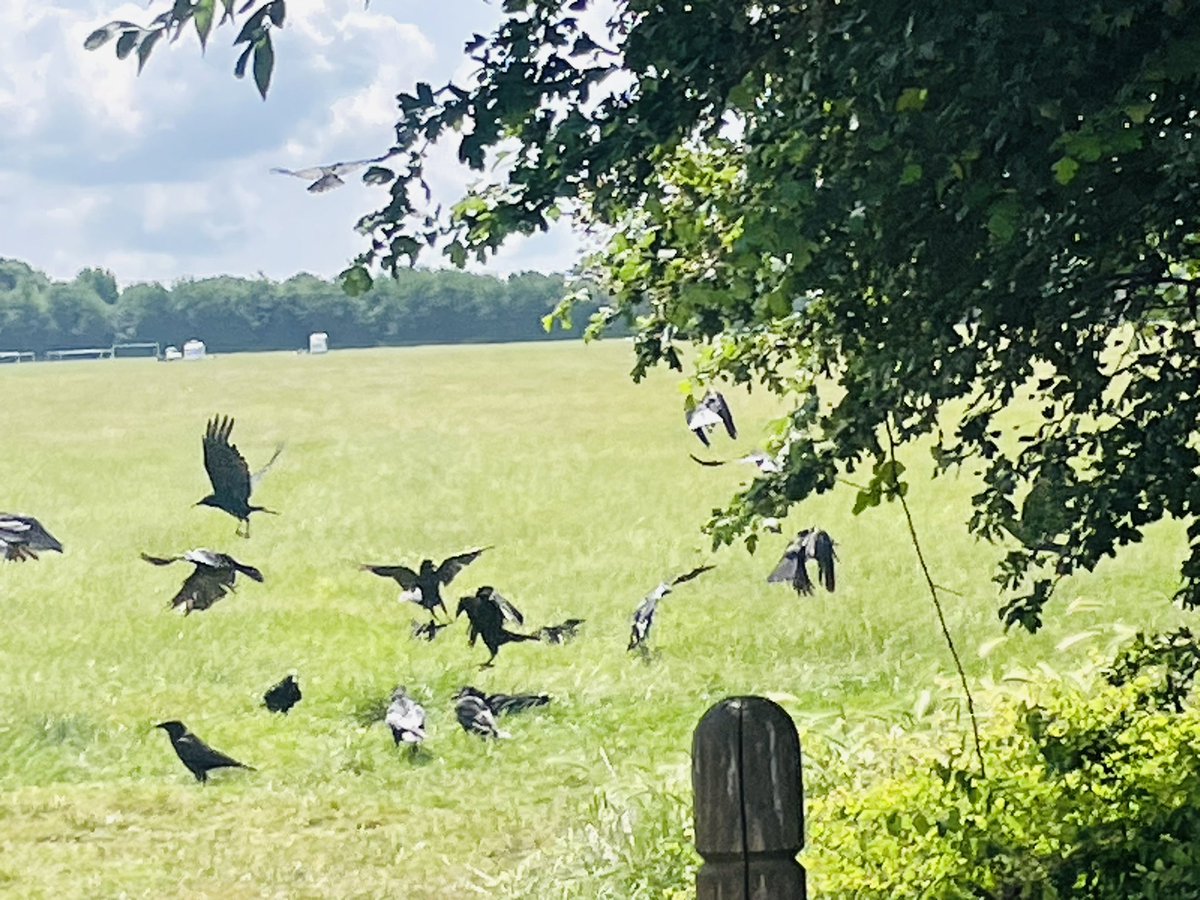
x=582, y=483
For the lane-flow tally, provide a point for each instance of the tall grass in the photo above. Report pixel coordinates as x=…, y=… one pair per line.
x=582, y=484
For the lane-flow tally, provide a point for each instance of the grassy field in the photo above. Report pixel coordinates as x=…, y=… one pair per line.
x=582, y=483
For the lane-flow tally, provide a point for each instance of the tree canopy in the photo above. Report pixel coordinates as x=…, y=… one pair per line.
x=871, y=209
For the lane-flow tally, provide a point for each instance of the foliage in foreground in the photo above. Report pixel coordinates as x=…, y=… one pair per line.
x=872, y=213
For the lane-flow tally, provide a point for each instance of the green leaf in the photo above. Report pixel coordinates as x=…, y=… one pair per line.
x=912, y=99
x=239, y=70
x=147, y=45
x=1065, y=169
x=126, y=42
x=202, y=18
x=457, y=253
x=1002, y=222
x=264, y=63
x=277, y=11
x=356, y=280
x=911, y=174
x=98, y=38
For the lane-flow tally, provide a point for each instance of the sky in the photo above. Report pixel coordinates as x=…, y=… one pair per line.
x=166, y=175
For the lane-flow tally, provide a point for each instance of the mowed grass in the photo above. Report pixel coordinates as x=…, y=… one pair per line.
x=581, y=481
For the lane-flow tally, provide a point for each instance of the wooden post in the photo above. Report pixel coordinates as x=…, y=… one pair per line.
x=748, y=802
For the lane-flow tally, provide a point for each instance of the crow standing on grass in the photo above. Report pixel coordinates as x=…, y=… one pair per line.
x=230, y=475
x=23, y=537
x=406, y=717
x=643, y=616
x=199, y=758
x=708, y=414
x=476, y=717
x=810, y=544
x=424, y=587
x=487, y=612
x=501, y=704
x=213, y=577
x=283, y=696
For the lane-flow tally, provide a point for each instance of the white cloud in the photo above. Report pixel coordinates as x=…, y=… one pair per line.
x=166, y=175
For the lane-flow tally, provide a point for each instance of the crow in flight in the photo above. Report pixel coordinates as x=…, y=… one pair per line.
x=425, y=587
x=283, y=696
x=230, y=475
x=211, y=580
x=427, y=631
x=195, y=754
x=708, y=414
x=811, y=543
x=765, y=463
x=501, y=704
x=643, y=616
x=23, y=537
x=406, y=717
x=476, y=717
x=329, y=177
x=487, y=612
x=559, y=634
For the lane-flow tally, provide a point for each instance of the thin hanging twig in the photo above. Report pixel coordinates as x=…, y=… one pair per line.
x=937, y=605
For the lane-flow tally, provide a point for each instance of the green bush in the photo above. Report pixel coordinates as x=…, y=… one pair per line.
x=1092, y=791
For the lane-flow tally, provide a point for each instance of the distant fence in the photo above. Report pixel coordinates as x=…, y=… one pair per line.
x=83, y=353
x=749, y=802
x=16, y=356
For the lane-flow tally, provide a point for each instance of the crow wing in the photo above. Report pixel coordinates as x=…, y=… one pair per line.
x=507, y=610
x=262, y=473
x=716, y=402
x=820, y=548
x=194, y=752
x=502, y=704
x=708, y=462
x=455, y=564
x=699, y=570
x=405, y=576
x=28, y=531
x=310, y=172
x=226, y=467
x=203, y=588
x=160, y=560
x=792, y=568
x=643, y=618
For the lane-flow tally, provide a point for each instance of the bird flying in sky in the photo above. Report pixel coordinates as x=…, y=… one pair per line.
x=424, y=587
x=810, y=544
x=230, y=475
x=212, y=578
x=765, y=463
x=708, y=414
x=23, y=537
x=643, y=616
x=327, y=177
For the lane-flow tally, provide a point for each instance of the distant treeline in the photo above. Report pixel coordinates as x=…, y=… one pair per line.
x=236, y=314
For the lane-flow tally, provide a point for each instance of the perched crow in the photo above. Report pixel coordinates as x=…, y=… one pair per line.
x=329, y=177
x=500, y=704
x=476, y=717
x=427, y=631
x=487, y=612
x=230, y=475
x=559, y=634
x=22, y=537
x=766, y=464
x=708, y=414
x=406, y=717
x=425, y=587
x=211, y=580
x=195, y=754
x=283, y=696
x=811, y=543
x=643, y=616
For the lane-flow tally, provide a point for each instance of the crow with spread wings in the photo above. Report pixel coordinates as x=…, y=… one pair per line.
x=212, y=578
x=643, y=616
x=230, y=475
x=23, y=537
x=708, y=414
x=810, y=544
x=487, y=612
x=328, y=177
x=424, y=587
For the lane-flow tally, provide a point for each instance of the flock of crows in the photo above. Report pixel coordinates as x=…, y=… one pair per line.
x=490, y=617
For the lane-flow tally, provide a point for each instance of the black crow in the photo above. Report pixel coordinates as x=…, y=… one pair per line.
x=708, y=414
x=427, y=631
x=643, y=616
x=501, y=704
x=559, y=634
x=23, y=537
x=811, y=543
x=283, y=696
x=425, y=586
x=765, y=463
x=487, y=612
x=476, y=717
x=230, y=475
x=328, y=177
x=406, y=717
x=195, y=754
x=211, y=580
